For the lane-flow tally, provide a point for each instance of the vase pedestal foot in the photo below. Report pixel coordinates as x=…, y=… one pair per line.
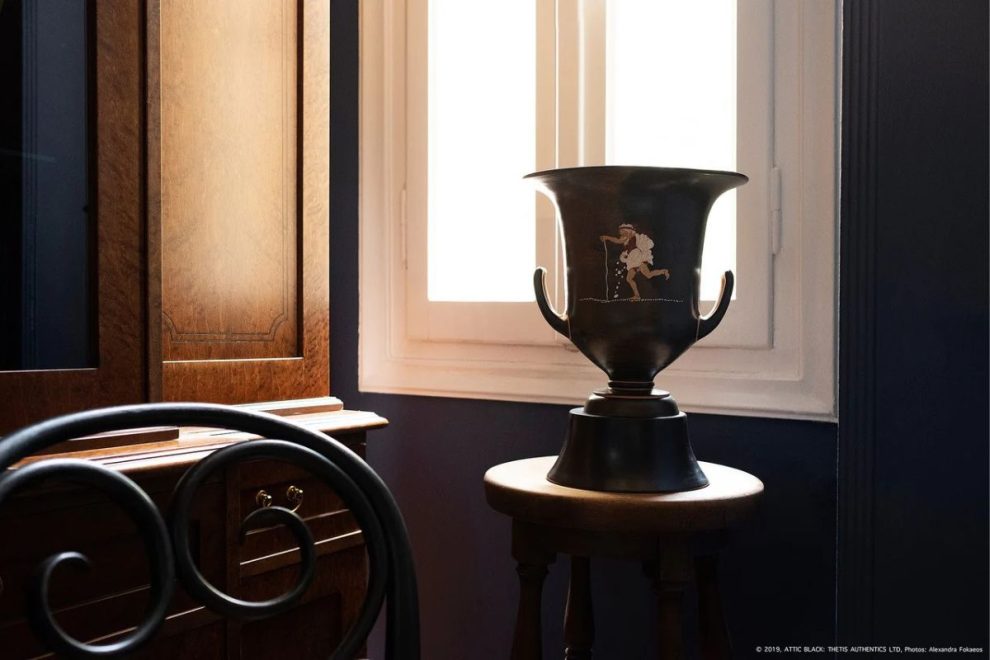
x=627, y=454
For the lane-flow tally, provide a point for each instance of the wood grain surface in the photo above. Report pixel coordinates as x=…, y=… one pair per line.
x=229, y=179
x=242, y=125
x=194, y=444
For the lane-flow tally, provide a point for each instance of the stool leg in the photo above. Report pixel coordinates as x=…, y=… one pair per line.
x=527, y=643
x=670, y=575
x=670, y=622
x=579, y=621
x=532, y=560
x=715, y=642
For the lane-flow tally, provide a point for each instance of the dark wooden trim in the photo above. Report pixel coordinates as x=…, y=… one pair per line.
x=857, y=327
x=92, y=185
x=153, y=226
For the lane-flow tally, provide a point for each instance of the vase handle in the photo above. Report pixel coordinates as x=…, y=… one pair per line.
x=708, y=323
x=556, y=321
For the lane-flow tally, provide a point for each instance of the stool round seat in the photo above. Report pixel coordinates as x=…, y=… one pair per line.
x=675, y=535
x=520, y=489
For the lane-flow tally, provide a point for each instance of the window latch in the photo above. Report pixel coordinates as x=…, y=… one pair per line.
x=775, y=220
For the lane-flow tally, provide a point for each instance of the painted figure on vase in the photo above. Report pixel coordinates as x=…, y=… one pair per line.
x=637, y=256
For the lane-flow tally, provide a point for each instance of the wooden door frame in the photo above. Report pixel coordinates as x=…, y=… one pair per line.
x=116, y=32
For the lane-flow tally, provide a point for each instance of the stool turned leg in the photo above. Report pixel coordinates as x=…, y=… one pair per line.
x=579, y=621
x=527, y=643
x=715, y=643
x=532, y=561
x=670, y=622
x=670, y=575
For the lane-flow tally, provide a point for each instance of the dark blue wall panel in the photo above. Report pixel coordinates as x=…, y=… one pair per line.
x=913, y=423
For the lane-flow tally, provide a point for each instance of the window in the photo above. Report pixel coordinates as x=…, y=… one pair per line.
x=461, y=99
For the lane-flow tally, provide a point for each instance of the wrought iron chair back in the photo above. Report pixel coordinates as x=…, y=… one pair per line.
x=391, y=574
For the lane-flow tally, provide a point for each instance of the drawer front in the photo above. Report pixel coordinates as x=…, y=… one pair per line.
x=269, y=558
x=312, y=497
x=279, y=484
x=316, y=626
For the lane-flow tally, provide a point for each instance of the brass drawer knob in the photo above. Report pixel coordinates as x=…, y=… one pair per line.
x=263, y=499
x=295, y=496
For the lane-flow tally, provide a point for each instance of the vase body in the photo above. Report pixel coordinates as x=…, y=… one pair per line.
x=633, y=240
x=632, y=306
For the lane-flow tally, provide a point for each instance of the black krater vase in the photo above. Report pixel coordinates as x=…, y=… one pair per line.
x=633, y=240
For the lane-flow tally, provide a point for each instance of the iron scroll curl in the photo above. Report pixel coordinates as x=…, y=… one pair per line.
x=391, y=573
x=139, y=507
x=197, y=585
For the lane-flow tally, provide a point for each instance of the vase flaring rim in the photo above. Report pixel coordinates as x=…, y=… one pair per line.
x=606, y=175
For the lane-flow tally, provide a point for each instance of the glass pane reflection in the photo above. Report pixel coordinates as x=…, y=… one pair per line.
x=47, y=282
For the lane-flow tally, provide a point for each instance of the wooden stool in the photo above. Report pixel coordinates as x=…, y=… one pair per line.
x=675, y=535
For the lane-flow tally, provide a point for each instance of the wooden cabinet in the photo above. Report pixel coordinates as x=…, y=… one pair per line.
x=118, y=374
x=210, y=165
x=209, y=169
x=96, y=604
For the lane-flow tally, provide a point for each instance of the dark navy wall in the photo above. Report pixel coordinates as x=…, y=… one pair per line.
x=913, y=422
x=909, y=495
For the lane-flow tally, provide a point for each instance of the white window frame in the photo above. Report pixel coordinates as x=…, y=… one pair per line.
x=782, y=368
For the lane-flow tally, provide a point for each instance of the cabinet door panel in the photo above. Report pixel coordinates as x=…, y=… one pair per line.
x=229, y=175
x=238, y=122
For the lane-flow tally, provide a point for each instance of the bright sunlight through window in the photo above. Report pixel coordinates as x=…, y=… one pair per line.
x=482, y=140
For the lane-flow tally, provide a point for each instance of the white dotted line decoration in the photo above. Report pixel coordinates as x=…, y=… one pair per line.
x=630, y=300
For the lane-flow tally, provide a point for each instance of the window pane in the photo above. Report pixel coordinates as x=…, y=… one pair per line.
x=671, y=101
x=482, y=140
